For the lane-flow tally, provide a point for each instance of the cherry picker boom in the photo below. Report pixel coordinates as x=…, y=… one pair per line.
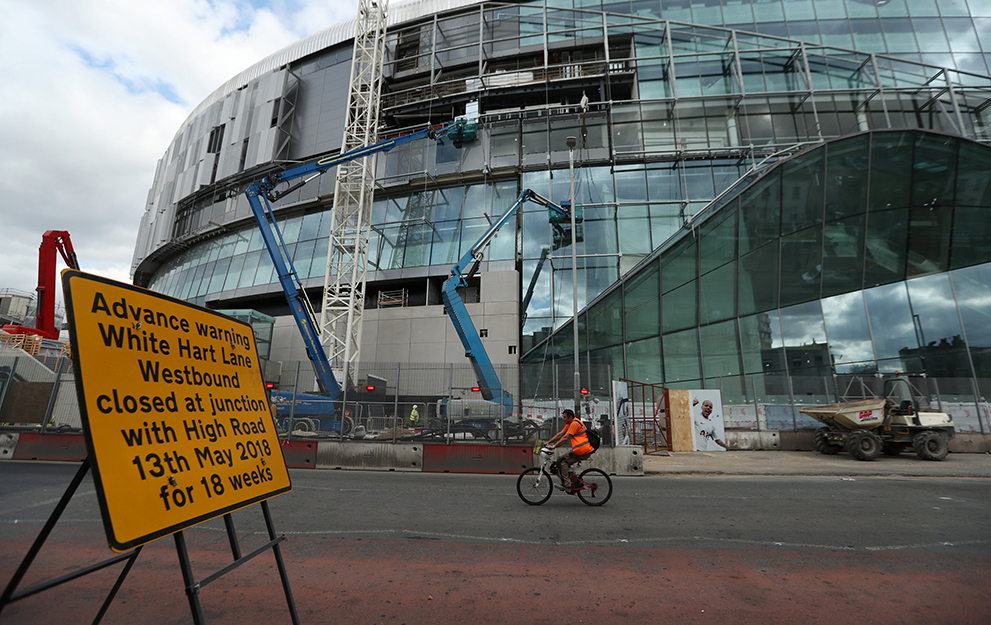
x=51, y=242
x=261, y=193
x=489, y=385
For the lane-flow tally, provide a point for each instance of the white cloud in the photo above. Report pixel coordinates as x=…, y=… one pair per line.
x=94, y=93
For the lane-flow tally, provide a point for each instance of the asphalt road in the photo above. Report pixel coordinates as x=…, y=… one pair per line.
x=372, y=547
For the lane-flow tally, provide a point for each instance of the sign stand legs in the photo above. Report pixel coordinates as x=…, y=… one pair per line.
x=11, y=595
x=193, y=587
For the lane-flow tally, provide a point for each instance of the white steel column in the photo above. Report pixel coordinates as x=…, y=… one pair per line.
x=347, y=254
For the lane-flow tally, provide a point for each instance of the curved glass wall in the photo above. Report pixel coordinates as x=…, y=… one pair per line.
x=854, y=259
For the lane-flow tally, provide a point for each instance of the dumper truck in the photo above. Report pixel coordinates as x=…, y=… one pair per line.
x=900, y=420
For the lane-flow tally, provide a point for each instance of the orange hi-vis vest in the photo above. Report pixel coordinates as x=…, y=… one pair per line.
x=579, y=438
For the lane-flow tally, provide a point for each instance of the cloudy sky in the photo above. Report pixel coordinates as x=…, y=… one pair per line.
x=95, y=90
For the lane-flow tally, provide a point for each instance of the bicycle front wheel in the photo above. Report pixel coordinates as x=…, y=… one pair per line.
x=534, y=486
x=598, y=487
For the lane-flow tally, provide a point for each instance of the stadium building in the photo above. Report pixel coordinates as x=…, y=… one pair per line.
x=781, y=198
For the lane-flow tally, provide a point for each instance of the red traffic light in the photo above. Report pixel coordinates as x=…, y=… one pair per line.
x=476, y=389
x=269, y=385
x=584, y=391
x=370, y=387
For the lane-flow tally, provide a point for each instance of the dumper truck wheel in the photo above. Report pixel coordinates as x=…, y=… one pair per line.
x=930, y=445
x=863, y=445
x=823, y=445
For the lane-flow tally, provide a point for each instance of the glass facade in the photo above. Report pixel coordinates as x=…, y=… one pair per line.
x=677, y=105
x=806, y=281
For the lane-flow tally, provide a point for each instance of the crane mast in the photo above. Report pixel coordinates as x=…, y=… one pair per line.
x=347, y=254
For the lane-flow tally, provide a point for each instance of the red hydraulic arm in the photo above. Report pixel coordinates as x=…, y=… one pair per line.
x=52, y=241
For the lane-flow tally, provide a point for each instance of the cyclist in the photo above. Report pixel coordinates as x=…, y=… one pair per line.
x=580, y=447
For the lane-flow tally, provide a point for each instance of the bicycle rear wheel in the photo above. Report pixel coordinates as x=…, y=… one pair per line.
x=598, y=487
x=534, y=486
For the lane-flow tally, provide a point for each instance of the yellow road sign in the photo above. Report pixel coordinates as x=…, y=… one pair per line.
x=177, y=421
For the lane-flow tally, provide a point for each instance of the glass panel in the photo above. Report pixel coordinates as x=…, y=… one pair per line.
x=760, y=212
x=291, y=229
x=600, y=230
x=801, y=266
x=665, y=221
x=642, y=304
x=718, y=296
x=631, y=185
x=929, y=240
x=805, y=344
x=720, y=350
x=218, y=275
x=971, y=236
x=887, y=233
x=973, y=188
x=759, y=280
x=938, y=327
x=681, y=356
x=626, y=123
x=802, y=191
x=718, y=236
x=446, y=243
x=303, y=258
x=251, y=260
x=390, y=249
x=644, y=361
x=505, y=141
x=318, y=267
x=658, y=125
x=846, y=173
x=762, y=343
x=663, y=182
x=843, y=256
x=604, y=322
x=848, y=330
x=934, y=171
x=891, y=170
x=634, y=230
x=310, y=227
x=891, y=319
x=234, y=272
x=417, y=245
x=266, y=271
x=867, y=34
x=678, y=265
x=678, y=308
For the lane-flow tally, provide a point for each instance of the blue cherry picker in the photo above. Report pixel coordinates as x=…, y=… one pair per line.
x=276, y=185
x=490, y=387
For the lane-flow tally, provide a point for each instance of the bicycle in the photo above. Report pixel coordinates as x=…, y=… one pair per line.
x=535, y=485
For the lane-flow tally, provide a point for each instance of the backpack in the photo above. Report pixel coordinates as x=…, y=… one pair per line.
x=593, y=438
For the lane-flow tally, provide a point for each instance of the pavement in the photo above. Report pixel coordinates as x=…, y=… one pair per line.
x=810, y=463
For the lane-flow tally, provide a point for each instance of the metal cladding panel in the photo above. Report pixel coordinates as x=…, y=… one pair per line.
x=31, y=446
x=477, y=458
x=331, y=36
x=369, y=455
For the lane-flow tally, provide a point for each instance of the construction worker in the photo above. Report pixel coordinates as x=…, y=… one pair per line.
x=414, y=416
